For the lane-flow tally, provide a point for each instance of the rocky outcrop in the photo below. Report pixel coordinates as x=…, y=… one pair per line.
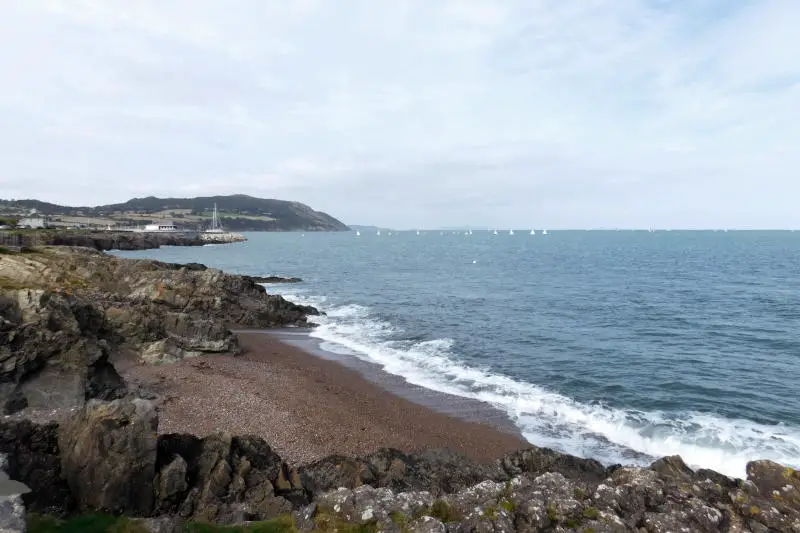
x=438, y=471
x=220, y=479
x=34, y=458
x=67, y=313
x=274, y=279
x=54, y=350
x=108, y=456
x=112, y=461
x=100, y=240
x=637, y=500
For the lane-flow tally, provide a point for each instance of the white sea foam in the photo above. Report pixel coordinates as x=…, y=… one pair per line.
x=550, y=419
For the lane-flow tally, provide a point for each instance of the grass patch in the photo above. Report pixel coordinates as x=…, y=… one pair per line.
x=398, y=518
x=90, y=523
x=508, y=505
x=282, y=524
x=591, y=513
x=444, y=512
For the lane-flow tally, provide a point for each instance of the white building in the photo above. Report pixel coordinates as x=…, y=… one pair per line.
x=32, y=223
x=163, y=226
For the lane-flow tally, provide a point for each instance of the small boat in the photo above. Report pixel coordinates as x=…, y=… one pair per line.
x=533, y=232
x=511, y=232
x=417, y=232
x=494, y=232
x=544, y=232
x=379, y=233
x=358, y=234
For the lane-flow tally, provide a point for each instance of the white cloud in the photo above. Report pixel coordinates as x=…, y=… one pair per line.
x=573, y=112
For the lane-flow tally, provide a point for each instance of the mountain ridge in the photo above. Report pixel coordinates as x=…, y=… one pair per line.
x=238, y=212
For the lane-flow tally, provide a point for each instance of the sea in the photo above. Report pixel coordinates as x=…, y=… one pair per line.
x=623, y=346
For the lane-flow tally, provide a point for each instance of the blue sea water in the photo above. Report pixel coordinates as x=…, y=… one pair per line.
x=618, y=345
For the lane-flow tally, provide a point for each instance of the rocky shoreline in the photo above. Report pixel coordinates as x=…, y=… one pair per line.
x=84, y=439
x=104, y=240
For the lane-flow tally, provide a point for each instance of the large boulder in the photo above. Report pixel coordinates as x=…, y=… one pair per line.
x=777, y=482
x=220, y=479
x=54, y=351
x=536, y=461
x=108, y=454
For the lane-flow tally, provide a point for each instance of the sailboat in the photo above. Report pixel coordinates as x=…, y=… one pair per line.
x=511, y=232
x=470, y=232
x=215, y=225
x=358, y=234
x=494, y=232
x=533, y=232
x=544, y=232
x=417, y=232
x=379, y=233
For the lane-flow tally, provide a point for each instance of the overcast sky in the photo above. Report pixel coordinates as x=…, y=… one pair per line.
x=542, y=113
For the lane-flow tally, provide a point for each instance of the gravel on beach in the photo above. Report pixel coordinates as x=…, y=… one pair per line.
x=304, y=406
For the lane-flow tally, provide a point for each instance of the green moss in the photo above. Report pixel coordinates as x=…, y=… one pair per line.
x=329, y=523
x=444, y=512
x=572, y=523
x=579, y=494
x=508, y=505
x=552, y=514
x=90, y=523
x=398, y=518
x=588, y=530
x=491, y=512
x=754, y=510
x=591, y=513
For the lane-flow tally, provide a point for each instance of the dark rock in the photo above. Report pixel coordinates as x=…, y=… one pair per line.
x=438, y=471
x=108, y=453
x=537, y=461
x=775, y=482
x=225, y=478
x=54, y=352
x=34, y=459
x=274, y=279
x=12, y=507
x=673, y=467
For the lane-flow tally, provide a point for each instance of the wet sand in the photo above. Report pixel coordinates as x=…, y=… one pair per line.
x=308, y=407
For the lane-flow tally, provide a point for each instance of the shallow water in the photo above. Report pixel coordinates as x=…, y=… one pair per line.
x=622, y=346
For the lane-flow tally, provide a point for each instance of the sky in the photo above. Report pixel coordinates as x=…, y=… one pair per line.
x=412, y=113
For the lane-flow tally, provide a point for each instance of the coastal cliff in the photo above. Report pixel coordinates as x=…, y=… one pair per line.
x=85, y=439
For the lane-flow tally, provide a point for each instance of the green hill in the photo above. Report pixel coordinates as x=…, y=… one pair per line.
x=238, y=212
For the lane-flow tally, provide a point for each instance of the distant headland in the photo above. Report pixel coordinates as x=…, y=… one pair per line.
x=238, y=212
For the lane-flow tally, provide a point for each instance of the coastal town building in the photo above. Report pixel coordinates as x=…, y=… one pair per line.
x=32, y=223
